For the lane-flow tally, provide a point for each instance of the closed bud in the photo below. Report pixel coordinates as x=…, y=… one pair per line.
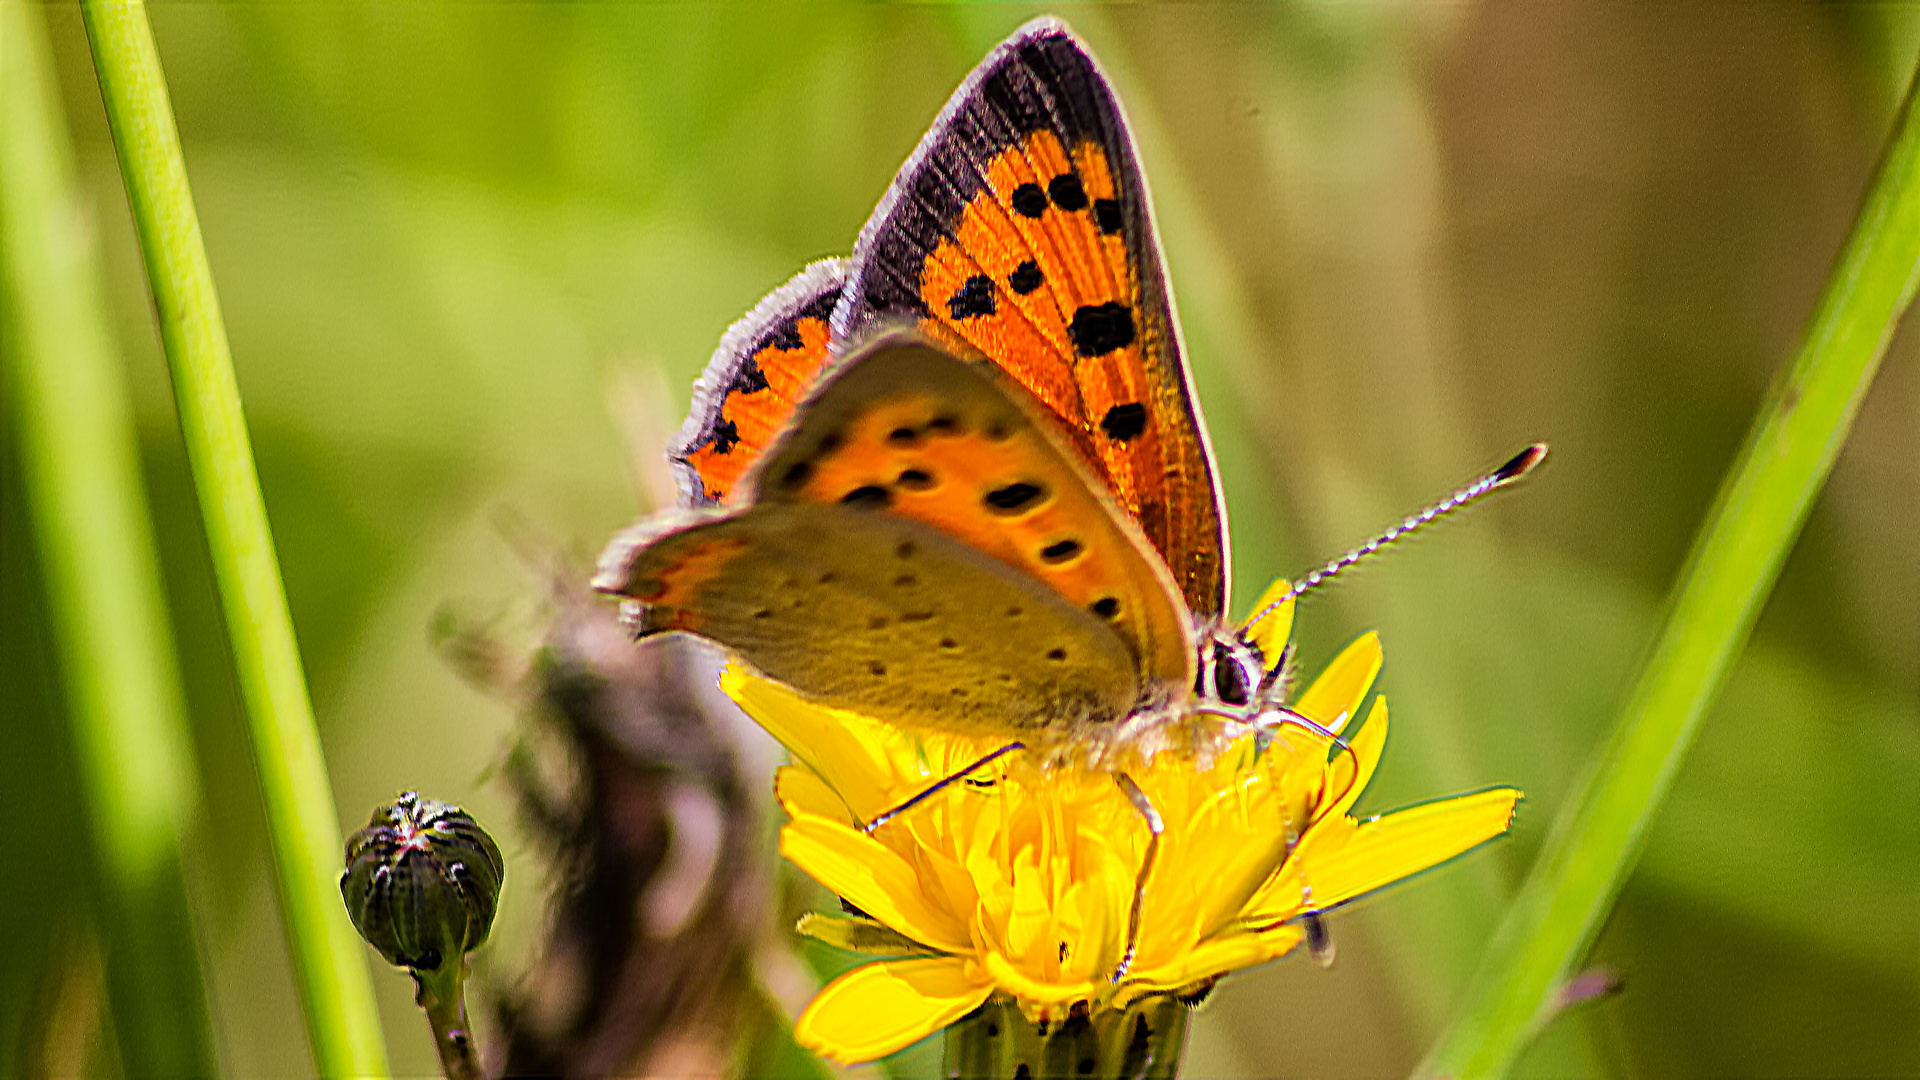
x=422, y=882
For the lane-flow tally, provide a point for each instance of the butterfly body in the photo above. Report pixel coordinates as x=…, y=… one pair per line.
x=961, y=482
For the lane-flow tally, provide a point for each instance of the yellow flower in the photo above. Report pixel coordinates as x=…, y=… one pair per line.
x=1020, y=883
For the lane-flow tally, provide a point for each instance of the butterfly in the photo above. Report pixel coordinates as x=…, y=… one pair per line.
x=961, y=482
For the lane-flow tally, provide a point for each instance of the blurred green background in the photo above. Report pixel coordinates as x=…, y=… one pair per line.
x=1406, y=239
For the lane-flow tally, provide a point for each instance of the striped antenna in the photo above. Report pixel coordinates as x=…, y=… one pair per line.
x=1516, y=467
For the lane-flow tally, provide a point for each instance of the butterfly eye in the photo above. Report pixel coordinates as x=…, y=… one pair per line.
x=1229, y=679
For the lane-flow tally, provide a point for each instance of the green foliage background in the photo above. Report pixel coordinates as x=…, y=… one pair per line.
x=1406, y=238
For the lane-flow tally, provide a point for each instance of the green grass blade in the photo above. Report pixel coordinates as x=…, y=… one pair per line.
x=329, y=960
x=1733, y=566
x=105, y=602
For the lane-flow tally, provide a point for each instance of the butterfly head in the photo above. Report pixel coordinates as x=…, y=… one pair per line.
x=1231, y=671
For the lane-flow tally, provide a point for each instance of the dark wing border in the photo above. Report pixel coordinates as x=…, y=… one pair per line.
x=929, y=192
x=813, y=292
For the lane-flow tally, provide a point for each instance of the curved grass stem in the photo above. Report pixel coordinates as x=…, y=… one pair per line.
x=1734, y=563
x=329, y=961
x=106, y=605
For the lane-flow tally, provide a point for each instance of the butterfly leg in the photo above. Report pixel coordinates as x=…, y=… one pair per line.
x=939, y=786
x=1144, y=807
x=1314, y=926
x=1268, y=725
x=1319, y=938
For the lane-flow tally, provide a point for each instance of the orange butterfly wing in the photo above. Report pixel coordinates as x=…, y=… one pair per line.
x=1022, y=229
x=766, y=363
x=919, y=546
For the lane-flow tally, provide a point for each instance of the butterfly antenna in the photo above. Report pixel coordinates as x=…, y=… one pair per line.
x=1516, y=467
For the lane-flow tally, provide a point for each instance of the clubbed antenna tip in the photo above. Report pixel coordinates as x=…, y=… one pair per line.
x=1516, y=467
x=1520, y=464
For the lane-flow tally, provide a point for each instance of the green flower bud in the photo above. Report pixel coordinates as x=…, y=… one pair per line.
x=422, y=882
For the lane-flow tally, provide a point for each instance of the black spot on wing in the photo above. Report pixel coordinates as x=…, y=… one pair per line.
x=1015, y=498
x=749, y=379
x=1107, y=215
x=870, y=497
x=1063, y=551
x=1098, y=329
x=1123, y=422
x=1026, y=277
x=973, y=298
x=726, y=436
x=1067, y=193
x=1029, y=200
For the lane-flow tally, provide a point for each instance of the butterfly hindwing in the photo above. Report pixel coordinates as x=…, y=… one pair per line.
x=908, y=429
x=1022, y=229
x=766, y=363
x=898, y=622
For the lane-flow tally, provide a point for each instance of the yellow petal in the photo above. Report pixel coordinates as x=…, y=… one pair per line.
x=801, y=791
x=876, y=1009
x=1216, y=855
x=1216, y=956
x=871, y=877
x=1366, y=749
x=1269, y=635
x=827, y=741
x=1018, y=980
x=1284, y=895
x=1385, y=849
x=871, y=765
x=1336, y=695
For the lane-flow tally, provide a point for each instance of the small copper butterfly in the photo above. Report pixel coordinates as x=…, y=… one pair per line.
x=960, y=482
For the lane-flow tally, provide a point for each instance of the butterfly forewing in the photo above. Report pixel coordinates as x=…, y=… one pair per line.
x=766, y=363
x=1021, y=228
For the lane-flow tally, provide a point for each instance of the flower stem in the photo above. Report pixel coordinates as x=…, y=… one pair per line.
x=998, y=1042
x=1734, y=563
x=444, y=999
x=330, y=964
x=105, y=601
